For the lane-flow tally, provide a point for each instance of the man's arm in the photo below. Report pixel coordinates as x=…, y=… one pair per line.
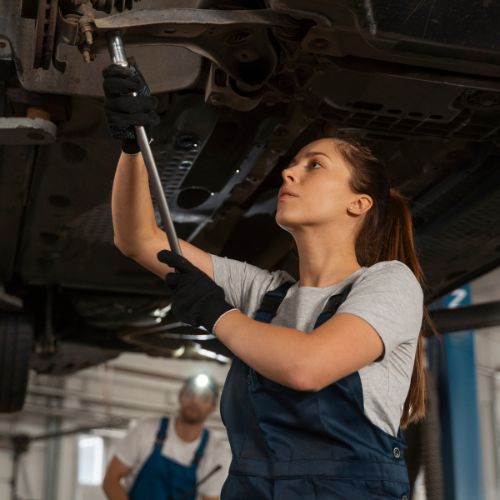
x=111, y=484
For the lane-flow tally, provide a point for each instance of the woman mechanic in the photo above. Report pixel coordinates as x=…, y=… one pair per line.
x=327, y=368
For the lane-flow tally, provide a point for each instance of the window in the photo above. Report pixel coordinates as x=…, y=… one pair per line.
x=90, y=460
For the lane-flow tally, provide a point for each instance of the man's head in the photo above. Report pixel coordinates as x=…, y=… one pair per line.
x=197, y=398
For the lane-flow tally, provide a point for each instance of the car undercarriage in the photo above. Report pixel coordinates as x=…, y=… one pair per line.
x=242, y=85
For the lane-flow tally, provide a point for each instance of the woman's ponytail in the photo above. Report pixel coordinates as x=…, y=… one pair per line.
x=401, y=246
x=387, y=234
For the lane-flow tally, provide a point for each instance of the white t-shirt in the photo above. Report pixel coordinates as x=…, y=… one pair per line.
x=137, y=445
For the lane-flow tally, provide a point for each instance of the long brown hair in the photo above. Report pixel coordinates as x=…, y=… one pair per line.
x=387, y=234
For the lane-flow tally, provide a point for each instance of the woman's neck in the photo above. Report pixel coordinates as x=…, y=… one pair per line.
x=325, y=257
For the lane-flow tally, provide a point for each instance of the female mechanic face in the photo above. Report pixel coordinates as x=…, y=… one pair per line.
x=316, y=189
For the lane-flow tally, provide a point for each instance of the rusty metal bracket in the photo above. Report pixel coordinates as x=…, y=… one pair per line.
x=27, y=131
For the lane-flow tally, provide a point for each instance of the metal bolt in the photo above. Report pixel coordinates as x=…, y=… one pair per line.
x=88, y=37
x=86, y=55
x=85, y=24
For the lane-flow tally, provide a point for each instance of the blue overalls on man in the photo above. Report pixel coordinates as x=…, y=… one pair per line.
x=172, y=459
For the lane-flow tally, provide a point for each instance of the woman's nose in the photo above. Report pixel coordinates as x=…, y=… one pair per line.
x=288, y=174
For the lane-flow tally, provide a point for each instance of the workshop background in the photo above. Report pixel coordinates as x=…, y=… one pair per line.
x=418, y=81
x=120, y=392
x=135, y=385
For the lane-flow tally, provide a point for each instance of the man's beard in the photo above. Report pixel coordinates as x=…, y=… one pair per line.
x=189, y=418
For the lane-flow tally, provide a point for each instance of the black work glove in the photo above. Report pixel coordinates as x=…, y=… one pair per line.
x=124, y=110
x=197, y=300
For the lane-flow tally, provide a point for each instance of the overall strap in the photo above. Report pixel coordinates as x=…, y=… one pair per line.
x=162, y=433
x=270, y=303
x=332, y=305
x=201, y=448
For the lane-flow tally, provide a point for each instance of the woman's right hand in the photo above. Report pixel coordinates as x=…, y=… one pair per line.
x=128, y=103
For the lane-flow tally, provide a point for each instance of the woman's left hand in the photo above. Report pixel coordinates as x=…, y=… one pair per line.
x=197, y=300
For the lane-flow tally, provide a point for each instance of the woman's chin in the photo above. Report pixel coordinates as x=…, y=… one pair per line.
x=285, y=223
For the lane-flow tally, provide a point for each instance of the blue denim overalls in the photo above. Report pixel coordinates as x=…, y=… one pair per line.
x=304, y=445
x=164, y=479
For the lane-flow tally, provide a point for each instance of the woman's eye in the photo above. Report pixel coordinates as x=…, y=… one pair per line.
x=315, y=165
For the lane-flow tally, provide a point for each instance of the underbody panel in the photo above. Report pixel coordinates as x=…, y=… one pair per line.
x=241, y=89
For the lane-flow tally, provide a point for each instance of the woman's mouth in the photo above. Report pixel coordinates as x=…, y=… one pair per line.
x=284, y=194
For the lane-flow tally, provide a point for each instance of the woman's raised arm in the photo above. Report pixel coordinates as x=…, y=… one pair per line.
x=136, y=233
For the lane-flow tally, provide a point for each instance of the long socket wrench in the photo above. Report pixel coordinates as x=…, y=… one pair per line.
x=118, y=56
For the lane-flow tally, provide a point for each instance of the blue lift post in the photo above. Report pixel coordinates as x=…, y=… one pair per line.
x=452, y=359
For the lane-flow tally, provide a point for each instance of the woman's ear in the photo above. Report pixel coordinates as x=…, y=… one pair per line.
x=360, y=205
